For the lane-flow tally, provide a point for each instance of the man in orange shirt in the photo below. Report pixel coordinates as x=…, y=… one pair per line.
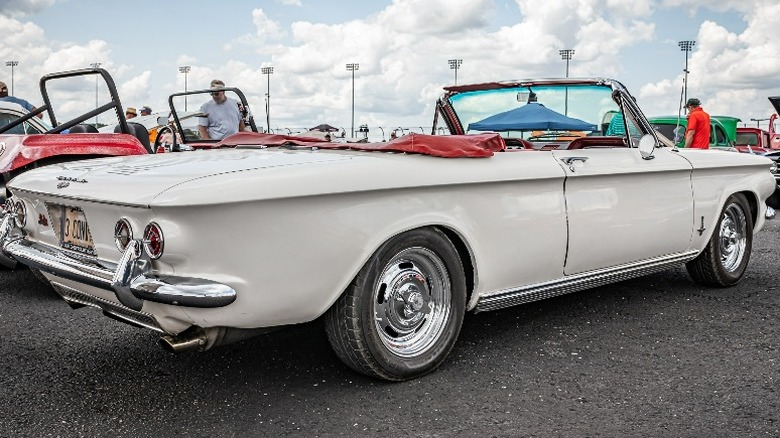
x=697, y=133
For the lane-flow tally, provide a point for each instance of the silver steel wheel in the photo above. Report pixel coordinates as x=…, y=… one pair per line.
x=412, y=302
x=733, y=237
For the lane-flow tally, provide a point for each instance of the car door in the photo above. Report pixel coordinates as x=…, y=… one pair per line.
x=622, y=208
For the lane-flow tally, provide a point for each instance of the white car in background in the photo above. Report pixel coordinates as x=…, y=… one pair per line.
x=11, y=111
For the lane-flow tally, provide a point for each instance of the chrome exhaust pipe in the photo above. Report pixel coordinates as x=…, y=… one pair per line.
x=194, y=338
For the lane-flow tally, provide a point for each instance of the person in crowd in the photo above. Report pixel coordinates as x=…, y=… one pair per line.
x=146, y=111
x=327, y=136
x=5, y=97
x=697, y=133
x=222, y=115
x=130, y=113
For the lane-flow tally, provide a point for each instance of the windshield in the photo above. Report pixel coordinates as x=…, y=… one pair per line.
x=190, y=110
x=747, y=138
x=538, y=112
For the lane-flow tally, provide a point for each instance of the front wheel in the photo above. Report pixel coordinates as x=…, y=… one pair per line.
x=725, y=258
x=402, y=314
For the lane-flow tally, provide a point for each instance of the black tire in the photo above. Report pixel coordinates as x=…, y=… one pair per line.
x=774, y=200
x=402, y=314
x=724, y=260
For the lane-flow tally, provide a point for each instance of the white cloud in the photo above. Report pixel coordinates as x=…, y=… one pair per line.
x=732, y=73
x=265, y=28
x=403, y=48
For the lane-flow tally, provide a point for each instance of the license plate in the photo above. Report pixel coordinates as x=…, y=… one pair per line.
x=74, y=231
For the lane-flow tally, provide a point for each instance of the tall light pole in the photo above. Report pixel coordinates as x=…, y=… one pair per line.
x=185, y=69
x=566, y=55
x=758, y=121
x=96, y=65
x=12, y=64
x=686, y=47
x=353, y=67
x=455, y=65
x=268, y=71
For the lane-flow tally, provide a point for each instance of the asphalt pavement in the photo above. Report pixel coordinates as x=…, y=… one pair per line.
x=657, y=356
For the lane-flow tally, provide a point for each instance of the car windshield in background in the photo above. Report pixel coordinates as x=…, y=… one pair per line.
x=537, y=111
x=748, y=138
x=188, y=111
x=665, y=129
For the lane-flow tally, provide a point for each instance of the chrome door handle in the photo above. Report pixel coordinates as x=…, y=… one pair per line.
x=569, y=161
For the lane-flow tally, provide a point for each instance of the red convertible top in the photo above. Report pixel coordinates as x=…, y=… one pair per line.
x=447, y=146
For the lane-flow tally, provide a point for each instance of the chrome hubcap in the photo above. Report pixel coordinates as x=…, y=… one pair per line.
x=733, y=240
x=412, y=302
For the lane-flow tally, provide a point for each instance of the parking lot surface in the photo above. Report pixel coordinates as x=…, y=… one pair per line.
x=654, y=356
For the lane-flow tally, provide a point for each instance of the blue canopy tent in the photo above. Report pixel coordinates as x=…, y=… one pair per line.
x=531, y=117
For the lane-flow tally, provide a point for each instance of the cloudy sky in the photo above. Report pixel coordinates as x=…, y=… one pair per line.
x=402, y=48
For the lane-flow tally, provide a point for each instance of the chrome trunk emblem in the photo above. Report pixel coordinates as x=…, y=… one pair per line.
x=66, y=180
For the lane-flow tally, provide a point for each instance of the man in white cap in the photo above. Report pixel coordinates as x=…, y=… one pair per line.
x=4, y=97
x=222, y=115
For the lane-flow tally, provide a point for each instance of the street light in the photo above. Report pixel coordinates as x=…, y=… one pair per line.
x=566, y=55
x=268, y=71
x=455, y=65
x=686, y=46
x=353, y=67
x=96, y=65
x=12, y=64
x=185, y=69
x=758, y=121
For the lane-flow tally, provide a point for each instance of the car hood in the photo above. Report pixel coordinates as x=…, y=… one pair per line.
x=139, y=180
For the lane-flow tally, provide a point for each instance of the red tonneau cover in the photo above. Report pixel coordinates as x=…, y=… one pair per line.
x=447, y=146
x=24, y=149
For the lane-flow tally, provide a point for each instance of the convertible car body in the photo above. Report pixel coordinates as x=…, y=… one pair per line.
x=390, y=243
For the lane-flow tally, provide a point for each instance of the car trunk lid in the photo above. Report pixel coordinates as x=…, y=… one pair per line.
x=138, y=180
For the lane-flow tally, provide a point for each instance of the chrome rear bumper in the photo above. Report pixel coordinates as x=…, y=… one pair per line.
x=130, y=280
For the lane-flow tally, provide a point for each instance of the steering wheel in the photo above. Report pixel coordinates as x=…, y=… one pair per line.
x=158, y=140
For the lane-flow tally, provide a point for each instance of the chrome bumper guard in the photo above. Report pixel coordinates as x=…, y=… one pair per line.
x=131, y=281
x=5, y=231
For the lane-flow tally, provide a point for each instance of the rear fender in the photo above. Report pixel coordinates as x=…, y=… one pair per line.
x=21, y=150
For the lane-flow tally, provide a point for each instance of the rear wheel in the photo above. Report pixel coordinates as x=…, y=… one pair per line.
x=725, y=258
x=402, y=314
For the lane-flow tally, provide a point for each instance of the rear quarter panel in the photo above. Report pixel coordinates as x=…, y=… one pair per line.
x=719, y=174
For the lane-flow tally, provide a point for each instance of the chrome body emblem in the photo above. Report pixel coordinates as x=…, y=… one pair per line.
x=2, y=147
x=63, y=184
x=71, y=179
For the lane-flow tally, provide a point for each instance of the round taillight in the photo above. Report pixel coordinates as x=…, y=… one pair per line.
x=18, y=213
x=154, y=241
x=123, y=234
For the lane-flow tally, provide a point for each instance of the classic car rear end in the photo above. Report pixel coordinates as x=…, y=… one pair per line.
x=390, y=243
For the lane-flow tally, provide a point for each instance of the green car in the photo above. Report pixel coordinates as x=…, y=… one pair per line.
x=723, y=131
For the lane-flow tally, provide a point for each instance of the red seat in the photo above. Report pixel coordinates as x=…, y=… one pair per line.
x=597, y=142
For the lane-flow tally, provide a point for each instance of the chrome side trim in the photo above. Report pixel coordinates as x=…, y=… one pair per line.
x=75, y=297
x=131, y=281
x=574, y=283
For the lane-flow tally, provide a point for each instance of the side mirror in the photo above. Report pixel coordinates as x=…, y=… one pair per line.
x=162, y=121
x=646, y=147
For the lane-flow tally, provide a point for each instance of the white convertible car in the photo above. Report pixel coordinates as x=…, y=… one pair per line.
x=532, y=195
